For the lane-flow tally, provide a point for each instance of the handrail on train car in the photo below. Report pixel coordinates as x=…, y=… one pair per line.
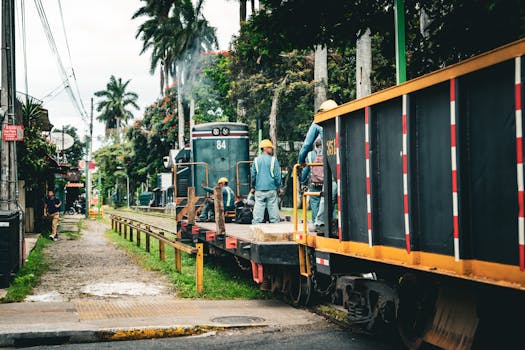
x=123, y=225
x=206, y=167
x=237, y=177
x=295, y=191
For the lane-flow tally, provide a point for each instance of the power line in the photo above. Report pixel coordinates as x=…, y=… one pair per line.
x=60, y=64
x=69, y=55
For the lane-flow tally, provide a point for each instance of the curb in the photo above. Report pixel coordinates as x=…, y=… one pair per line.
x=28, y=339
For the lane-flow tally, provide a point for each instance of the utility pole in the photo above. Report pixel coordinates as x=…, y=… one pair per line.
x=401, y=59
x=8, y=180
x=90, y=149
x=89, y=135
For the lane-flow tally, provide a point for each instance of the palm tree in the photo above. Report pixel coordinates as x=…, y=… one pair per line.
x=176, y=32
x=156, y=33
x=114, y=105
x=193, y=37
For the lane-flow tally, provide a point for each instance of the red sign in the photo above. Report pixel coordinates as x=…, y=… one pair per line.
x=81, y=165
x=13, y=133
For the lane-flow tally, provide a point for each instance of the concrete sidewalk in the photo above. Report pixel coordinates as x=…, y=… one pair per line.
x=101, y=320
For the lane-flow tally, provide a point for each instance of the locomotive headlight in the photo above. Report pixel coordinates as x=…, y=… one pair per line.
x=216, y=131
x=225, y=131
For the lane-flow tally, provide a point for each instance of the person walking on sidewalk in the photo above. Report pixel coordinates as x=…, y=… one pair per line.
x=266, y=181
x=51, y=206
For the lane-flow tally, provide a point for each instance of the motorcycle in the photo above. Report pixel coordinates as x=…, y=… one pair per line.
x=76, y=208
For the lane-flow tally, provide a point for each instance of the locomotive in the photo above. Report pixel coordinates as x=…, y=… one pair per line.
x=219, y=149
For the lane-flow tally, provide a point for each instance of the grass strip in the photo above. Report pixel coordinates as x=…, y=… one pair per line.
x=220, y=282
x=29, y=275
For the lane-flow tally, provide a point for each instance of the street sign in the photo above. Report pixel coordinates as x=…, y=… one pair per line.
x=13, y=133
x=82, y=164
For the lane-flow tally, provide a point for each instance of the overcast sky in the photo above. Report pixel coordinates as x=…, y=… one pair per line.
x=101, y=36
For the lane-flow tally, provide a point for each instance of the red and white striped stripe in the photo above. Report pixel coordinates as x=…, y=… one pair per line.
x=368, y=171
x=321, y=261
x=338, y=174
x=453, y=161
x=519, y=156
x=405, y=174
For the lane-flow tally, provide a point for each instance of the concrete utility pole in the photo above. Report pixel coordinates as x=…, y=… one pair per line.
x=8, y=180
x=320, y=75
x=88, y=155
x=363, y=64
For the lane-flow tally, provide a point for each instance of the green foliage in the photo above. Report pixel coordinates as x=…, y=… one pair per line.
x=456, y=30
x=34, y=153
x=212, y=90
x=219, y=282
x=111, y=162
x=29, y=275
x=152, y=137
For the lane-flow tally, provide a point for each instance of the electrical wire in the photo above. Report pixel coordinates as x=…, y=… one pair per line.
x=55, y=90
x=52, y=44
x=69, y=55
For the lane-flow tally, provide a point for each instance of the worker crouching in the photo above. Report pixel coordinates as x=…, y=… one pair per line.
x=228, y=197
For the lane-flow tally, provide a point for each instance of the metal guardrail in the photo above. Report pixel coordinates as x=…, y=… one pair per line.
x=125, y=227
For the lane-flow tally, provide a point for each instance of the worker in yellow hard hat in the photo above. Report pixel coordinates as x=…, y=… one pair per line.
x=228, y=197
x=314, y=132
x=266, y=182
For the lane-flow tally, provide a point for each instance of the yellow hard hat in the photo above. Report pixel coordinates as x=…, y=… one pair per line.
x=266, y=143
x=327, y=105
x=222, y=180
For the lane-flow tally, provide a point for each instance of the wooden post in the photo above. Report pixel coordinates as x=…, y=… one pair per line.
x=138, y=238
x=148, y=239
x=191, y=205
x=131, y=234
x=219, y=211
x=178, y=260
x=199, y=268
x=161, y=248
x=126, y=230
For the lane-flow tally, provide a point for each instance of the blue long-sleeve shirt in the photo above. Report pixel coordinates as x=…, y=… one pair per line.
x=228, y=196
x=266, y=177
x=313, y=132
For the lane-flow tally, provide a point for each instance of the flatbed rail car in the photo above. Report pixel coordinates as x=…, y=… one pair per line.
x=430, y=199
x=268, y=249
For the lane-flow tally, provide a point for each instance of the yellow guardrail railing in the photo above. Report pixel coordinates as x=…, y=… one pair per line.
x=295, y=196
x=304, y=262
x=125, y=226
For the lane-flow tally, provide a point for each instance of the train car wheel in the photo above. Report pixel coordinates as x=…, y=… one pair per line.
x=300, y=290
x=415, y=312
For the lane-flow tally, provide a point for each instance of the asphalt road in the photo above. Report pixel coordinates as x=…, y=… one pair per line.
x=319, y=337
